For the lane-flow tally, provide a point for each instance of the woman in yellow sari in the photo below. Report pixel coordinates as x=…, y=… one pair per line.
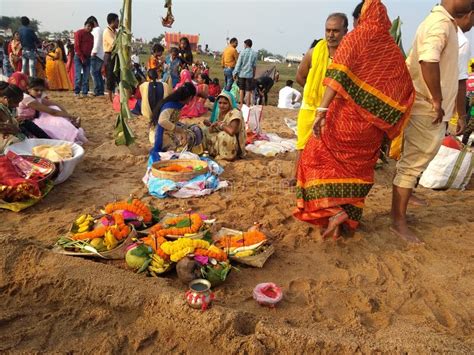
x=225, y=135
x=56, y=68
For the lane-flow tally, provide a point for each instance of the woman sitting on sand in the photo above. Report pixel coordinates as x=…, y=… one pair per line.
x=170, y=134
x=56, y=72
x=196, y=107
x=50, y=116
x=225, y=136
x=10, y=98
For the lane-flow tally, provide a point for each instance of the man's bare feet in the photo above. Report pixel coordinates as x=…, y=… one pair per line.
x=402, y=231
x=417, y=201
x=333, y=229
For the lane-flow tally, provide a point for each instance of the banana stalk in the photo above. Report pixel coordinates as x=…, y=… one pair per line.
x=396, y=32
x=123, y=43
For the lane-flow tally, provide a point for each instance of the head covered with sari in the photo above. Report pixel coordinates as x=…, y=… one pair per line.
x=19, y=79
x=184, y=77
x=215, y=110
x=369, y=71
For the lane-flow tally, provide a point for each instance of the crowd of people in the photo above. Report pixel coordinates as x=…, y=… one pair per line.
x=358, y=91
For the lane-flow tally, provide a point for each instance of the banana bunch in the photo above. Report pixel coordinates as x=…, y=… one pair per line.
x=157, y=266
x=84, y=223
x=109, y=240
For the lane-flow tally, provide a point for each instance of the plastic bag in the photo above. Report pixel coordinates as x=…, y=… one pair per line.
x=267, y=294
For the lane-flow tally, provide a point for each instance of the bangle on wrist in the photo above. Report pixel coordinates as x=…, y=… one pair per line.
x=322, y=109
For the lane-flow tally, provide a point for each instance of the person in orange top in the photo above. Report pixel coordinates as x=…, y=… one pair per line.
x=229, y=60
x=156, y=59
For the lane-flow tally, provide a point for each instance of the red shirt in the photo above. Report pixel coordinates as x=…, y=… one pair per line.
x=83, y=44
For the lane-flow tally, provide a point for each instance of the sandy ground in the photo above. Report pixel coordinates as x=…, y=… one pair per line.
x=366, y=294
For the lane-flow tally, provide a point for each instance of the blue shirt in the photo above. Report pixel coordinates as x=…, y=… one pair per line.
x=246, y=64
x=28, y=38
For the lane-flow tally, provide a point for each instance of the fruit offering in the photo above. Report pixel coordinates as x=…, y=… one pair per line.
x=246, y=239
x=83, y=223
x=183, y=225
x=136, y=207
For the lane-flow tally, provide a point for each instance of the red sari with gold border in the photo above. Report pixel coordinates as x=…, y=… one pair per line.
x=374, y=97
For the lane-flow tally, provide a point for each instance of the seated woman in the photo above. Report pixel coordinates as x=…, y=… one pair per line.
x=214, y=89
x=170, y=134
x=152, y=92
x=196, y=107
x=225, y=136
x=184, y=77
x=51, y=117
x=10, y=98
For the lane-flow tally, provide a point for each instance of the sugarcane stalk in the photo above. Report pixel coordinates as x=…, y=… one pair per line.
x=122, y=46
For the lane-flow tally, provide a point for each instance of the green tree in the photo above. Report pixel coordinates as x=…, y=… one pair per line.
x=157, y=39
x=14, y=23
x=262, y=53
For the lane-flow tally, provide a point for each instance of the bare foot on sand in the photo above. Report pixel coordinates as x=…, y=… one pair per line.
x=417, y=201
x=334, y=227
x=402, y=231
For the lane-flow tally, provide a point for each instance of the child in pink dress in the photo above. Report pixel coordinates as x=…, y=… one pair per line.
x=51, y=117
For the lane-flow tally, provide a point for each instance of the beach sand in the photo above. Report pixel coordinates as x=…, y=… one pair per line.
x=370, y=293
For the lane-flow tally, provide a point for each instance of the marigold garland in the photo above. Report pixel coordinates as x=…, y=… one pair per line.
x=136, y=206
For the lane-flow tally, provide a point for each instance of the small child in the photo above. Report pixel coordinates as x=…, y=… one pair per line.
x=214, y=89
x=172, y=64
x=50, y=116
x=156, y=59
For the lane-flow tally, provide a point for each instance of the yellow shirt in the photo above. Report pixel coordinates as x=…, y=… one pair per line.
x=229, y=57
x=436, y=41
x=108, y=38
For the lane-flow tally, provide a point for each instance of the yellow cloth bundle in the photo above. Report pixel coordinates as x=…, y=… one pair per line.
x=54, y=153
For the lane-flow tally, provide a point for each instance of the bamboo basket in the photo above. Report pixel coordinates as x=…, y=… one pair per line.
x=114, y=254
x=179, y=176
x=257, y=260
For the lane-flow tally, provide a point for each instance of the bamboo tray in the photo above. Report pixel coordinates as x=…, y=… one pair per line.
x=179, y=176
x=114, y=254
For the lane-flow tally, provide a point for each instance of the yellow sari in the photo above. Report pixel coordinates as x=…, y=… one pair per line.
x=313, y=93
x=56, y=71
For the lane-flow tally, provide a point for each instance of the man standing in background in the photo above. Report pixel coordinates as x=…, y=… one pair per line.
x=229, y=60
x=29, y=42
x=108, y=39
x=83, y=44
x=97, y=59
x=245, y=72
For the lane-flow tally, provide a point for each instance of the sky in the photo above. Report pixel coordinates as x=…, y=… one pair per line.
x=281, y=27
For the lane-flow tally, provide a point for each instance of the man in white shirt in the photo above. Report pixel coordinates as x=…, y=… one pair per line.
x=289, y=97
x=97, y=60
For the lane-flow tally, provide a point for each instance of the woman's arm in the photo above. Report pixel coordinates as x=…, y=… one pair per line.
x=48, y=102
x=320, y=120
x=203, y=91
x=37, y=106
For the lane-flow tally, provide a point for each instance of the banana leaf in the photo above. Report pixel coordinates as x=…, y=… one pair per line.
x=122, y=45
x=396, y=32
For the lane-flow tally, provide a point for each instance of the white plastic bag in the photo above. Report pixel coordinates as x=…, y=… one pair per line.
x=450, y=169
x=252, y=117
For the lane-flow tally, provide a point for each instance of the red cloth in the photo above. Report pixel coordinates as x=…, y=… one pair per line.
x=12, y=186
x=19, y=79
x=214, y=89
x=83, y=44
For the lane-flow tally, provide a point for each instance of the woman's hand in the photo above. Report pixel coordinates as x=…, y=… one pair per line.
x=207, y=123
x=319, y=123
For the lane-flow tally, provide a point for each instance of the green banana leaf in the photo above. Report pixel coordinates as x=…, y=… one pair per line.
x=122, y=45
x=396, y=33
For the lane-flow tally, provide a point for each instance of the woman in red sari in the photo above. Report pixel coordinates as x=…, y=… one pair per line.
x=369, y=93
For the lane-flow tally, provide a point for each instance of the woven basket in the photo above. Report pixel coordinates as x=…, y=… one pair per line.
x=181, y=176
